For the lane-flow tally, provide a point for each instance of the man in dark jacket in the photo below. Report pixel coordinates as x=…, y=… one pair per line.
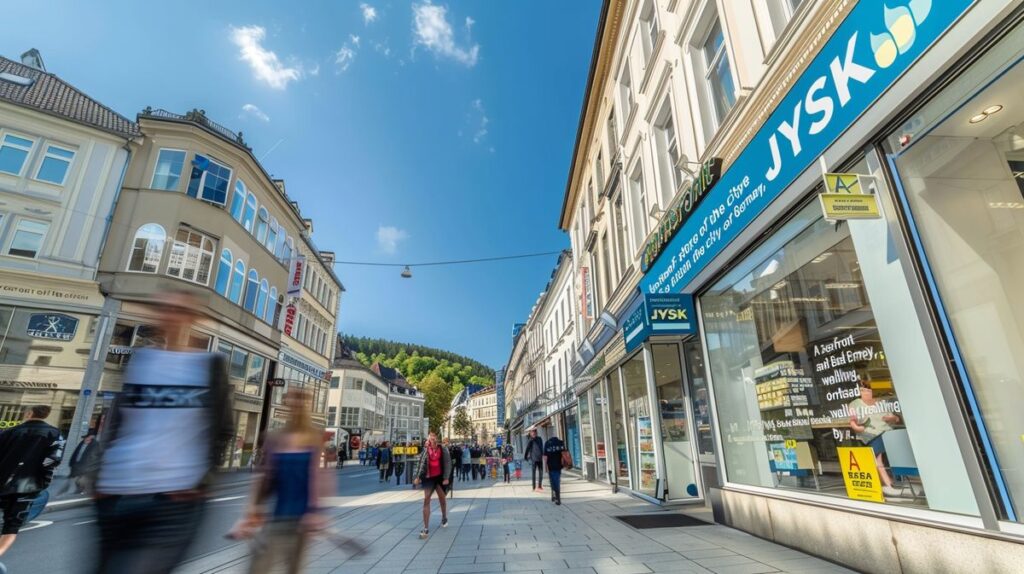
x=29, y=453
x=535, y=458
x=553, y=449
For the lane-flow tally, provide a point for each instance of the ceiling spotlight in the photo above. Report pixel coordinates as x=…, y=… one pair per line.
x=406, y=273
x=992, y=110
x=978, y=118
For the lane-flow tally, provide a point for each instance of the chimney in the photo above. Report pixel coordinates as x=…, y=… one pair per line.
x=280, y=185
x=33, y=59
x=328, y=257
x=309, y=226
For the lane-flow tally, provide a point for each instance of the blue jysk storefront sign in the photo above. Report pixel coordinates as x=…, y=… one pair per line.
x=55, y=326
x=874, y=45
x=669, y=314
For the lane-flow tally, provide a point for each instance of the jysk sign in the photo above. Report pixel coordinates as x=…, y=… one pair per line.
x=873, y=46
x=668, y=314
x=54, y=326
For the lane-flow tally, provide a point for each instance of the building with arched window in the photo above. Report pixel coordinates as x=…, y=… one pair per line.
x=62, y=155
x=198, y=212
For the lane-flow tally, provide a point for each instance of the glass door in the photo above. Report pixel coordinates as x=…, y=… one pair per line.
x=600, y=395
x=676, y=430
x=693, y=353
x=640, y=428
x=618, y=429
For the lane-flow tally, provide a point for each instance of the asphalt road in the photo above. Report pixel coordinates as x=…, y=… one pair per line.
x=65, y=540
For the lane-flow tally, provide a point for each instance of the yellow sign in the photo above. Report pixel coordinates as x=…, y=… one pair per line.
x=412, y=450
x=790, y=443
x=860, y=473
x=398, y=450
x=846, y=183
x=846, y=206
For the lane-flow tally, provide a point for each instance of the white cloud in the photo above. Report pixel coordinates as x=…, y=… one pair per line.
x=344, y=58
x=478, y=120
x=369, y=13
x=383, y=48
x=432, y=30
x=388, y=238
x=315, y=71
x=265, y=64
x=354, y=39
x=254, y=111
x=469, y=23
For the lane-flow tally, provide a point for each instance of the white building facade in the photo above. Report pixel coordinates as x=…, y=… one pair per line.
x=800, y=347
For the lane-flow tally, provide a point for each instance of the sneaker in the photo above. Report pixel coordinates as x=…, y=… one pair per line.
x=444, y=522
x=423, y=534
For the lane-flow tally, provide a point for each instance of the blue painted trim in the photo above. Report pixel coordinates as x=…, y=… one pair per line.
x=968, y=387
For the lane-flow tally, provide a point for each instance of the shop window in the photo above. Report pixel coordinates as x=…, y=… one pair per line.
x=616, y=415
x=254, y=375
x=959, y=162
x=148, y=248
x=43, y=338
x=802, y=381
x=29, y=235
x=14, y=152
x=209, y=180
x=191, y=256
x=167, y=173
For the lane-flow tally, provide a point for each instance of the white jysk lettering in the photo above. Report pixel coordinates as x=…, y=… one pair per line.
x=169, y=397
x=813, y=104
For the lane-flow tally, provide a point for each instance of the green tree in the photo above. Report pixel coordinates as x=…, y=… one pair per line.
x=438, y=397
x=462, y=427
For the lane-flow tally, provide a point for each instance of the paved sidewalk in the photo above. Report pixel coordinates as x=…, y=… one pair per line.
x=495, y=527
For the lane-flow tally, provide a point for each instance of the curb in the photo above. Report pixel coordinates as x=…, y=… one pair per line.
x=58, y=505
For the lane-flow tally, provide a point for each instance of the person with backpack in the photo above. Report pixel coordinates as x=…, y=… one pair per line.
x=167, y=431
x=556, y=456
x=29, y=453
x=432, y=471
x=534, y=456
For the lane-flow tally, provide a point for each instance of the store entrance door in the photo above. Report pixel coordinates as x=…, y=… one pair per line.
x=681, y=465
x=700, y=409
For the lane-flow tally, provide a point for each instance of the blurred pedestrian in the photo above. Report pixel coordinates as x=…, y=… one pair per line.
x=81, y=463
x=554, y=453
x=534, y=456
x=167, y=431
x=474, y=463
x=432, y=472
x=506, y=460
x=448, y=446
x=467, y=457
x=291, y=478
x=384, y=461
x=29, y=453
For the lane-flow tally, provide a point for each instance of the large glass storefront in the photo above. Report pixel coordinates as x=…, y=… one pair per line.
x=959, y=167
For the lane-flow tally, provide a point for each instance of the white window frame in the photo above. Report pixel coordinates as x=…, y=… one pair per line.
x=48, y=155
x=649, y=37
x=637, y=235
x=131, y=250
x=156, y=165
x=228, y=191
x=28, y=152
x=668, y=169
x=707, y=67
x=14, y=234
x=194, y=254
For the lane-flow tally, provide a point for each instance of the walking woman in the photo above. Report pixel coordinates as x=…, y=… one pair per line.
x=291, y=477
x=435, y=465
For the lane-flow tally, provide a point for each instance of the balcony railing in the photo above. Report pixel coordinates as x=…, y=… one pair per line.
x=198, y=116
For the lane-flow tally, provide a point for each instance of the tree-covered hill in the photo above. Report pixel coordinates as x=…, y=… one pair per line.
x=438, y=374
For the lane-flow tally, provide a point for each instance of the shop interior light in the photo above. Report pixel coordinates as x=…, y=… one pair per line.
x=995, y=109
x=978, y=118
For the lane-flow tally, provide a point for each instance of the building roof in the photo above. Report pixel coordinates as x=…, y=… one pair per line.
x=393, y=376
x=46, y=93
x=483, y=391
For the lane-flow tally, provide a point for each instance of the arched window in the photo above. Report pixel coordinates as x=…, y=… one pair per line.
x=252, y=287
x=261, y=300
x=250, y=212
x=148, y=248
x=262, y=223
x=238, y=201
x=237, y=279
x=289, y=249
x=271, y=316
x=282, y=243
x=272, y=236
x=224, y=273
x=191, y=256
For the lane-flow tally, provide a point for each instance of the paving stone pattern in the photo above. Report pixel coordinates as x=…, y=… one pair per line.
x=495, y=527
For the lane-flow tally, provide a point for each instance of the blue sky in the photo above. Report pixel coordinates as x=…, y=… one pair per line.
x=409, y=132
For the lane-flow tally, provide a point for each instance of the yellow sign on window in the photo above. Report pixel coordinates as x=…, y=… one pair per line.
x=398, y=450
x=845, y=183
x=860, y=473
x=837, y=206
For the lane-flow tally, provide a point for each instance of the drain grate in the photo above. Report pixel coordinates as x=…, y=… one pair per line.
x=660, y=520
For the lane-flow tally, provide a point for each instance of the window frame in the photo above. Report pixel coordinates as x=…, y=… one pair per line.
x=16, y=228
x=47, y=155
x=709, y=66
x=152, y=180
x=28, y=152
x=200, y=191
x=189, y=249
x=221, y=272
x=240, y=275
x=252, y=285
x=132, y=247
